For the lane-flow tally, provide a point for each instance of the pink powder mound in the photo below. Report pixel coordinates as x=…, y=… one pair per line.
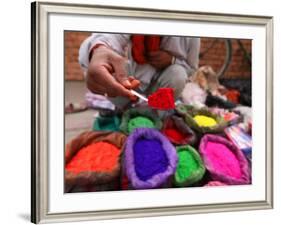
x=215, y=183
x=223, y=160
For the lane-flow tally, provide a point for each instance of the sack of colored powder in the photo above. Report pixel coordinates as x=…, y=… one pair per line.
x=106, y=123
x=215, y=184
x=139, y=117
x=229, y=116
x=201, y=120
x=93, y=161
x=190, y=167
x=177, y=131
x=183, y=109
x=150, y=159
x=240, y=139
x=224, y=161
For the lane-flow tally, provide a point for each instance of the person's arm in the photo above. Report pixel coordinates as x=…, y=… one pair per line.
x=101, y=55
x=116, y=42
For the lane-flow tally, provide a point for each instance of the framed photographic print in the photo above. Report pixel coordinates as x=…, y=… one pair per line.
x=147, y=112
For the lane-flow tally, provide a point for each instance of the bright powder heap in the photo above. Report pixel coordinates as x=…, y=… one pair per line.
x=150, y=158
x=162, y=99
x=215, y=183
x=139, y=121
x=204, y=121
x=223, y=160
x=106, y=123
x=96, y=157
x=174, y=134
x=186, y=165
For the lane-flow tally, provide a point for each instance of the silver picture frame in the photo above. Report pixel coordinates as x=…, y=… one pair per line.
x=40, y=103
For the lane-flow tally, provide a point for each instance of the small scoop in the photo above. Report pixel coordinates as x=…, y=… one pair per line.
x=162, y=99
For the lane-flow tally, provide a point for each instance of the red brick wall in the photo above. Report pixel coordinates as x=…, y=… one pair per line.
x=72, y=41
x=215, y=56
x=239, y=67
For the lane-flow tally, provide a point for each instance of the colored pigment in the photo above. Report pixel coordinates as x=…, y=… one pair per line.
x=139, y=121
x=174, y=134
x=204, y=121
x=150, y=158
x=230, y=116
x=215, y=183
x=186, y=165
x=223, y=160
x=233, y=96
x=124, y=182
x=106, y=124
x=96, y=157
x=162, y=99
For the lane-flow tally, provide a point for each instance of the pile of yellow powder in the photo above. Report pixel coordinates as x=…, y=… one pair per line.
x=204, y=121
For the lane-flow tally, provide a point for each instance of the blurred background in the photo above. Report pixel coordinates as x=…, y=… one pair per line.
x=213, y=53
x=231, y=58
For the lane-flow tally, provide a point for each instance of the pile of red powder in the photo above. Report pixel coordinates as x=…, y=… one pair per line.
x=174, y=134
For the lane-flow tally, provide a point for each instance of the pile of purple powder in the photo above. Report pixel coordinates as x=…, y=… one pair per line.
x=150, y=158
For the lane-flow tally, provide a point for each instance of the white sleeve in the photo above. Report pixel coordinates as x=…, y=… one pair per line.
x=117, y=42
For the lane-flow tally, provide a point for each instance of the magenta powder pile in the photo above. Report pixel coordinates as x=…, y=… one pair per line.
x=150, y=158
x=223, y=160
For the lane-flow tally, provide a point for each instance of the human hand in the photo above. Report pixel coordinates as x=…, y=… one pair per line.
x=107, y=74
x=160, y=59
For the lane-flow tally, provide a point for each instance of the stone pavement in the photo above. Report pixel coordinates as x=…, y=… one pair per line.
x=76, y=123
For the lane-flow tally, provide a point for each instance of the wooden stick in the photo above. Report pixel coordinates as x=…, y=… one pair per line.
x=139, y=95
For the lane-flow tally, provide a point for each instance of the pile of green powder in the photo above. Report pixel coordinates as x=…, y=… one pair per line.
x=139, y=121
x=186, y=165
